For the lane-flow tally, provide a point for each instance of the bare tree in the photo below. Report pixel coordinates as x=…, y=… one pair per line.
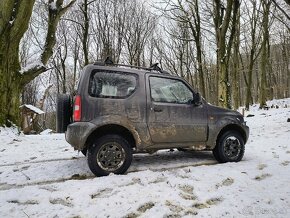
x=14, y=20
x=187, y=13
x=225, y=24
x=236, y=65
x=264, y=62
x=252, y=44
x=139, y=26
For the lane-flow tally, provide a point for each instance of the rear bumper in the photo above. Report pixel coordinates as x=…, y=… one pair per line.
x=77, y=134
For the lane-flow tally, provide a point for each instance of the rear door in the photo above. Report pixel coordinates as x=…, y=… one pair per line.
x=171, y=115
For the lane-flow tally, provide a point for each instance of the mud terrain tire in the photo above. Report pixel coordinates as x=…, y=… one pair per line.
x=230, y=147
x=63, y=112
x=109, y=154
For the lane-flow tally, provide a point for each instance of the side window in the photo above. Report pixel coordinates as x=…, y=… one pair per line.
x=107, y=84
x=169, y=90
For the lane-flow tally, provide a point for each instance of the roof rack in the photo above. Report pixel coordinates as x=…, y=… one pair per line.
x=109, y=61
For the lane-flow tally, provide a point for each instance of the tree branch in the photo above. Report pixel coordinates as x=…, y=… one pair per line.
x=54, y=15
x=31, y=73
x=281, y=9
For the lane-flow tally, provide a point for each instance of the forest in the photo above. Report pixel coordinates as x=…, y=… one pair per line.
x=234, y=52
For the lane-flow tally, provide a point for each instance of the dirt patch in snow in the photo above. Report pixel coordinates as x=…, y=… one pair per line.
x=262, y=176
x=146, y=206
x=65, y=202
x=226, y=182
x=261, y=166
x=285, y=163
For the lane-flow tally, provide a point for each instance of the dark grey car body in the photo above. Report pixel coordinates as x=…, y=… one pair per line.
x=148, y=125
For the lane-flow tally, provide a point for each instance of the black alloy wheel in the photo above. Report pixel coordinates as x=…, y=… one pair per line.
x=109, y=154
x=230, y=147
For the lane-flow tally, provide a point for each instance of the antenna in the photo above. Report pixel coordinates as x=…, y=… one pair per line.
x=155, y=67
x=109, y=61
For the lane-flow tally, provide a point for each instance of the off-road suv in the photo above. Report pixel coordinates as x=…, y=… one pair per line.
x=119, y=110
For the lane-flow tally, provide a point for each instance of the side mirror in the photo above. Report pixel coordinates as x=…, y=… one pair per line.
x=197, y=99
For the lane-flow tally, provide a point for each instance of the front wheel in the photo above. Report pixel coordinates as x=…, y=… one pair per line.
x=230, y=147
x=109, y=154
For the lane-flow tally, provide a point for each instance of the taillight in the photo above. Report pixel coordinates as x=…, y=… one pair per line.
x=77, y=108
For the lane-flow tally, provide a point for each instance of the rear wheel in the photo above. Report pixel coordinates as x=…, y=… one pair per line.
x=109, y=154
x=230, y=147
x=63, y=112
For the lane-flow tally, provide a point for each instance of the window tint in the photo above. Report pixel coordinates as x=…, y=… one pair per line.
x=112, y=85
x=169, y=90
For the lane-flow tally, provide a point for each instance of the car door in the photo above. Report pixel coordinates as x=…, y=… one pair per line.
x=172, y=116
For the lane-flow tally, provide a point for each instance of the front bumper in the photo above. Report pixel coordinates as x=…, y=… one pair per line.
x=77, y=134
x=247, y=132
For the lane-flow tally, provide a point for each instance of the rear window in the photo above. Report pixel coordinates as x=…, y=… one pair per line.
x=109, y=84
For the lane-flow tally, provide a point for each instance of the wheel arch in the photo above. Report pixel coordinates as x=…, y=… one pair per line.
x=111, y=129
x=233, y=127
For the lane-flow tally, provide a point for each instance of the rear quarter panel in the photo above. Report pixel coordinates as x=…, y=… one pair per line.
x=129, y=112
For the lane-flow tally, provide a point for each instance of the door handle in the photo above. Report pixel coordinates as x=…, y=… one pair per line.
x=157, y=109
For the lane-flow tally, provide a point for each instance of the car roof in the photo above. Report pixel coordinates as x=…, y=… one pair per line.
x=116, y=68
x=126, y=69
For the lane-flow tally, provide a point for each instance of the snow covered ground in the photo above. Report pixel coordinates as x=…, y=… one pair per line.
x=41, y=176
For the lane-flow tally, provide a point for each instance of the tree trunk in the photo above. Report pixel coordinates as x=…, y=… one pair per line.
x=224, y=89
x=14, y=20
x=224, y=21
x=195, y=27
x=250, y=81
x=264, y=51
x=84, y=9
x=236, y=65
x=200, y=69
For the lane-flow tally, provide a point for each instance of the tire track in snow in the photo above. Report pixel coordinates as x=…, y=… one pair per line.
x=39, y=161
x=5, y=186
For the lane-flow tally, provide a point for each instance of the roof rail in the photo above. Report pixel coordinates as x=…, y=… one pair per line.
x=109, y=61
